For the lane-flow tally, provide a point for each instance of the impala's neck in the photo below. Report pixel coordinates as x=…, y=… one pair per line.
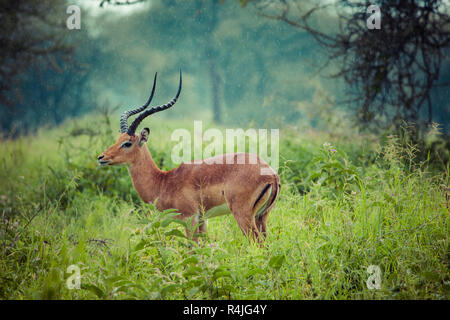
x=146, y=176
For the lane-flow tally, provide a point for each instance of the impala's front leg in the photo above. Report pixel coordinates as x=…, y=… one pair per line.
x=196, y=226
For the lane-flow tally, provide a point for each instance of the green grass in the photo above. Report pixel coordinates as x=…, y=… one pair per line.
x=367, y=203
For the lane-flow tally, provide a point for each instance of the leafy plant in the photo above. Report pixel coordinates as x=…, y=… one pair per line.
x=331, y=169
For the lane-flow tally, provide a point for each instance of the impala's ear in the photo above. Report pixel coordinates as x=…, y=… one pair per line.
x=143, y=136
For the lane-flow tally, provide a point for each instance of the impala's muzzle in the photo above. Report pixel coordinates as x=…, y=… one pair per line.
x=101, y=160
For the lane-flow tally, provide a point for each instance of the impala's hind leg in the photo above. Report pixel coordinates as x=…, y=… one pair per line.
x=244, y=216
x=261, y=223
x=261, y=210
x=262, y=214
x=247, y=224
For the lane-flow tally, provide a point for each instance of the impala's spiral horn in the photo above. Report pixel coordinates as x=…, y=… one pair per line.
x=129, y=113
x=132, y=129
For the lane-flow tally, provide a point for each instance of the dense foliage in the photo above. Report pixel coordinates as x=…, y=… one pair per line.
x=347, y=202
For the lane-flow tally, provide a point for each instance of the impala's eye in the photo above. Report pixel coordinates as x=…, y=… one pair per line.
x=126, y=144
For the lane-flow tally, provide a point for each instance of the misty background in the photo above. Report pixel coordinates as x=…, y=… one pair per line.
x=240, y=66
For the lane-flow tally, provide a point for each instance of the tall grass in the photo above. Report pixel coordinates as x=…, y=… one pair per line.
x=345, y=205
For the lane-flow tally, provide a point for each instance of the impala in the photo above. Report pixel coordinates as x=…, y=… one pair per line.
x=199, y=189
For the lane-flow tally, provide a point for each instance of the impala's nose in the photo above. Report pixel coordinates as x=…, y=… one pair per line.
x=102, y=162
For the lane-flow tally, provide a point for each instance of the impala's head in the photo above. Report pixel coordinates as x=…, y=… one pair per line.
x=129, y=145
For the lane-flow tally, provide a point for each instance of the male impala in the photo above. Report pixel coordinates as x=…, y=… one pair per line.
x=202, y=189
